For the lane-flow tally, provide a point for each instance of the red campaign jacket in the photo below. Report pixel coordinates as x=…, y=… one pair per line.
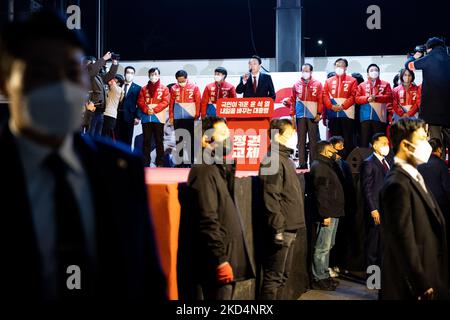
x=214, y=92
x=382, y=91
x=161, y=98
x=404, y=98
x=188, y=94
x=340, y=87
x=311, y=92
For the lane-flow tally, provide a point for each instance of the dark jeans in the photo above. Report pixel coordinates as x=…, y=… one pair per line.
x=345, y=128
x=87, y=119
x=156, y=130
x=124, y=130
x=277, y=268
x=326, y=236
x=187, y=124
x=109, y=123
x=443, y=134
x=368, y=129
x=213, y=292
x=304, y=126
x=95, y=129
x=373, y=246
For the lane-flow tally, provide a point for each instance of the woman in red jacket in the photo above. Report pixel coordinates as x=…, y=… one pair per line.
x=406, y=96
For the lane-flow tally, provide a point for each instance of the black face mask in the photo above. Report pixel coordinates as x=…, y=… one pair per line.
x=225, y=147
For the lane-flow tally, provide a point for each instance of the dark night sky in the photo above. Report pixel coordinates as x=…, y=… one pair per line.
x=220, y=29
x=404, y=24
x=199, y=29
x=193, y=29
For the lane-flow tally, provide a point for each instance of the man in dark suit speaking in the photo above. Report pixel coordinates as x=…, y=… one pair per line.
x=75, y=221
x=256, y=84
x=414, y=261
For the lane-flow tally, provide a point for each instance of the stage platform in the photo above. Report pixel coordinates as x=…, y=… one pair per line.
x=180, y=175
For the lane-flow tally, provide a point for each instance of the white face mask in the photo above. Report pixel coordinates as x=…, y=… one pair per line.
x=291, y=143
x=339, y=71
x=384, y=150
x=306, y=75
x=374, y=74
x=56, y=109
x=422, y=152
x=218, y=78
x=129, y=77
x=182, y=84
x=154, y=78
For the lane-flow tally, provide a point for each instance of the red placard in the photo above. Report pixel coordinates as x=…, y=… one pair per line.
x=245, y=108
x=248, y=120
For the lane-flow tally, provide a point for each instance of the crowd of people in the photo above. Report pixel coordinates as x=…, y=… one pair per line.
x=93, y=210
x=348, y=106
x=405, y=206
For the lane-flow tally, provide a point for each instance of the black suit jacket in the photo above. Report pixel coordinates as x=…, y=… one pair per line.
x=372, y=175
x=415, y=246
x=436, y=176
x=128, y=267
x=264, y=89
x=129, y=103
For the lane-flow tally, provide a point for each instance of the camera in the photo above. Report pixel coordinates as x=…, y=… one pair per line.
x=421, y=48
x=115, y=56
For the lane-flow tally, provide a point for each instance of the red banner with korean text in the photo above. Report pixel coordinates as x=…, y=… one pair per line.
x=248, y=120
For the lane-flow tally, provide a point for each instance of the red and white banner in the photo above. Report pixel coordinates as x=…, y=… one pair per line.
x=248, y=120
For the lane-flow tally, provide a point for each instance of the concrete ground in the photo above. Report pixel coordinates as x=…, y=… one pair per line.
x=347, y=290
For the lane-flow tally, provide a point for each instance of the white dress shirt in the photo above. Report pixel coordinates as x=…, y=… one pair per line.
x=251, y=76
x=129, y=84
x=381, y=158
x=413, y=172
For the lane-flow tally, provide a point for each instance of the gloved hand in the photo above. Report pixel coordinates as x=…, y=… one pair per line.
x=224, y=273
x=279, y=239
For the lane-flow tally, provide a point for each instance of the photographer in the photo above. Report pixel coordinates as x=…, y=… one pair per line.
x=114, y=97
x=435, y=99
x=98, y=83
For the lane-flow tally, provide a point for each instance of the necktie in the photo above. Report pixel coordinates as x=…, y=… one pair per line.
x=385, y=165
x=125, y=90
x=70, y=245
x=254, y=84
x=422, y=182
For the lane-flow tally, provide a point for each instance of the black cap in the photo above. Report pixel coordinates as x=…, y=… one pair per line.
x=89, y=59
x=120, y=78
x=434, y=42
